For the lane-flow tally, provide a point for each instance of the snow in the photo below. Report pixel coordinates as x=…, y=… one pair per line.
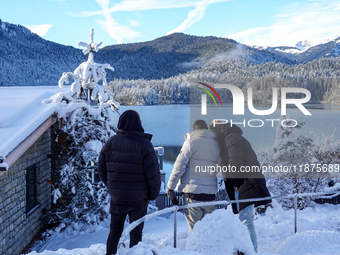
x=88, y=74
x=300, y=47
x=334, y=188
x=291, y=51
x=92, y=250
x=312, y=240
x=303, y=45
x=56, y=194
x=218, y=233
x=4, y=165
x=210, y=237
x=94, y=145
x=22, y=111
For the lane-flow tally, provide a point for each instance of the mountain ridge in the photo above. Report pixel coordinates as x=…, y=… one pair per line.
x=27, y=59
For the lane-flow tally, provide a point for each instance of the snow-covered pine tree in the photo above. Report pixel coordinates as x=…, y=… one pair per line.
x=86, y=134
x=88, y=126
x=293, y=150
x=326, y=153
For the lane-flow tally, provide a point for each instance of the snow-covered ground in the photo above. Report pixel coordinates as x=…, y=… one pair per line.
x=220, y=233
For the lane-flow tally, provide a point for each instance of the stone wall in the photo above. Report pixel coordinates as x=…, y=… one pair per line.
x=17, y=228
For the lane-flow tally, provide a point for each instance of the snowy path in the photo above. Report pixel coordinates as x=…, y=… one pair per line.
x=318, y=233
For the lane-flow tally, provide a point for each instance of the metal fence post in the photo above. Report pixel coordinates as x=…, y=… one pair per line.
x=160, y=152
x=175, y=227
x=295, y=213
x=160, y=160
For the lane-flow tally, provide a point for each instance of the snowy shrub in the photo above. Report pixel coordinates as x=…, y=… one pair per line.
x=293, y=150
x=221, y=194
x=327, y=150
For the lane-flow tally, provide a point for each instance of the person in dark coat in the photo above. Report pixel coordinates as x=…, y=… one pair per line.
x=129, y=168
x=237, y=152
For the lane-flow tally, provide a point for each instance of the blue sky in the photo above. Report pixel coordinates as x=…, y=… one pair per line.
x=252, y=22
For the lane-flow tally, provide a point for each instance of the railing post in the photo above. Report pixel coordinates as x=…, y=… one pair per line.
x=92, y=176
x=295, y=213
x=161, y=161
x=175, y=227
x=160, y=152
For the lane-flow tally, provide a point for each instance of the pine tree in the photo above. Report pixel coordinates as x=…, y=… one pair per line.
x=88, y=126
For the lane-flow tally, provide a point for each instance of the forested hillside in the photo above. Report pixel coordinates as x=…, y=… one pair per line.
x=160, y=71
x=28, y=60
x=321, y=77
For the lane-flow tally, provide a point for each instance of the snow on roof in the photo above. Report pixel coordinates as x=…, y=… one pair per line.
x=22, y=112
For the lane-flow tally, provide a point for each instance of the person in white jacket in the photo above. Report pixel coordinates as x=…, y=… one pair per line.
x=194, y=171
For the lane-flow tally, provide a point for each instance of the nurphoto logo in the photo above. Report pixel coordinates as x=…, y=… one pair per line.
x=239, y=101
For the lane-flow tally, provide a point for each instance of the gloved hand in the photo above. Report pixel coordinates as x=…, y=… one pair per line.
x=172, y=196
x=234, y=206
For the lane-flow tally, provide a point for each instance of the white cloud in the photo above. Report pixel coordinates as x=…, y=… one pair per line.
x=314, y=21
x=40, y=30
x=143, y=5
x=134, y=23
x=193, y=17
x=120, y=32
x=115, y=30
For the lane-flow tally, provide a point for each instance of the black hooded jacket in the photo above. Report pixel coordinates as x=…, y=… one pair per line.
x=237, y=152
x=127, y=164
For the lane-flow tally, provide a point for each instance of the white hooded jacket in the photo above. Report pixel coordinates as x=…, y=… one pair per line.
x=193, y=167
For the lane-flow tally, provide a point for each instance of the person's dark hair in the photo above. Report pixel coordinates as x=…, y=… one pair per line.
x=200, y=124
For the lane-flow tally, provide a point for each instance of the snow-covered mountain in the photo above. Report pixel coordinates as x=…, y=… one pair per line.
x=296, y=49
x=303, y=45
x=305, y=51
x=323, y=50
x=27, y=59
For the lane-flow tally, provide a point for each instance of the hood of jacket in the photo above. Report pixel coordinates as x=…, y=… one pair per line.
x=130, y=121
x=227, y=129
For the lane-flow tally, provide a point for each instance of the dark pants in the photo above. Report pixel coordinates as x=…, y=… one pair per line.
x=119, y=210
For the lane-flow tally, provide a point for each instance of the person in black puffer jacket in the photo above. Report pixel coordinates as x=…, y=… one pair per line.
x=129, y=168
x=237, y=152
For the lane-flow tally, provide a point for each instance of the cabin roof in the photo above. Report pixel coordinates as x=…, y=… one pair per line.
x=22, y=113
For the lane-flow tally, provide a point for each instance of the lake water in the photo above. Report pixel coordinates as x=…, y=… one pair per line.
x=168, y=124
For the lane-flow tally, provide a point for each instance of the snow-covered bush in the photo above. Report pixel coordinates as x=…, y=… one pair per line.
x=327, y=150
x=292, y=150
